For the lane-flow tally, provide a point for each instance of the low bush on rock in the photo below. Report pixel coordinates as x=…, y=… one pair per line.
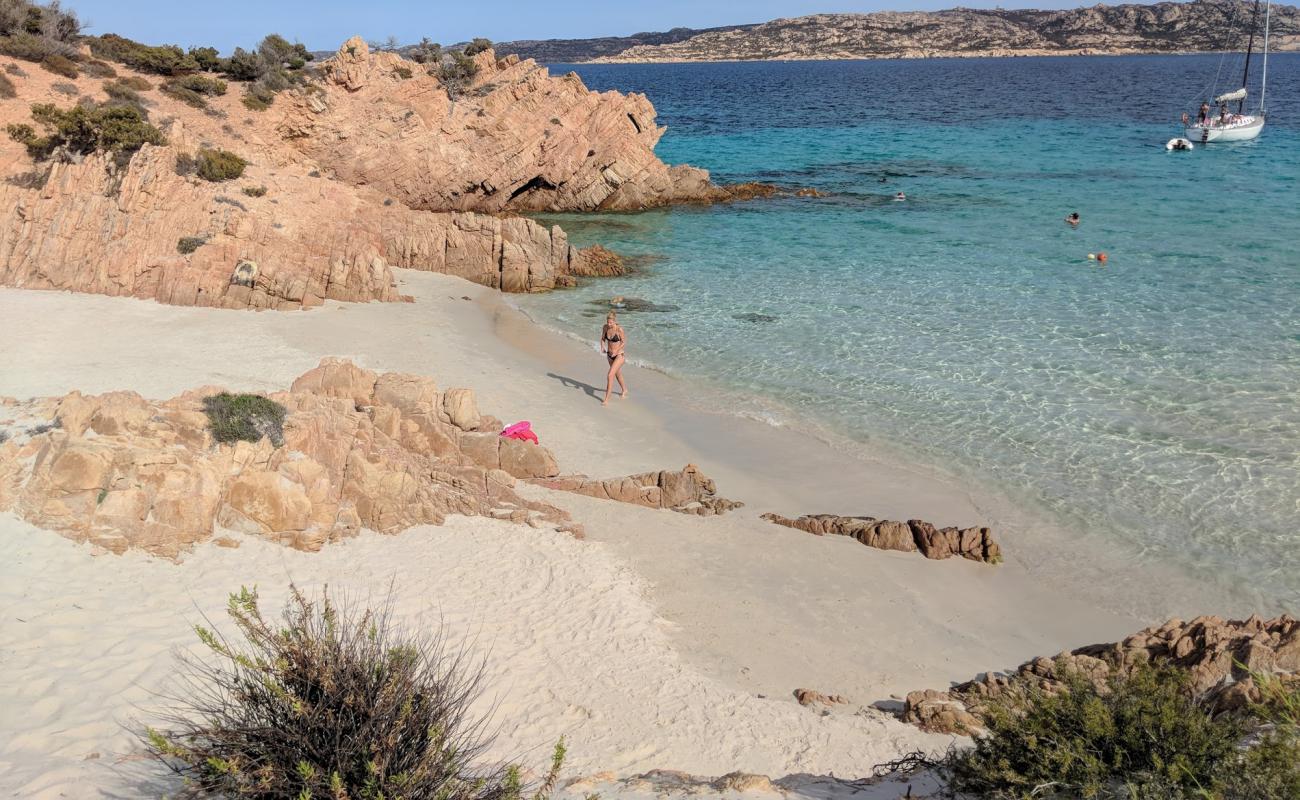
x=244, y=417
x=1141, y=735
x=258, y=98
x=188, y=244
x=61, y=87
x=7, y=88
x=120, y=93
x=15, y=70
x=98, y=69
x=136, y=83
x=167, y=59
x=82, y=130
x=456, y=71
x=329, y=702
x=60, y=65
x=255, y=191
x=194, y=90
x=219, y=165
x=478, y=45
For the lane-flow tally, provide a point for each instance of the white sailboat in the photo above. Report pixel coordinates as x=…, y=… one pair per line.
x=1217, y=123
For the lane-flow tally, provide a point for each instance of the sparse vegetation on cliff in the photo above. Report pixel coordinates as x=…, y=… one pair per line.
x=188, y=244
x=243, y=417
x=7, y=89
x=1140, y=735
x=219, y=165
x=330, y=701
x=167, y=59
x=34, y=32
x=60, y=65
x=194, y=90
x=82, y=130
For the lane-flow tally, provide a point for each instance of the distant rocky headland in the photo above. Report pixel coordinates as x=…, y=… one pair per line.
x=1200, y=26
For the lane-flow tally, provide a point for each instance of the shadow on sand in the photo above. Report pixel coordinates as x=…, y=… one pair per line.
x=587, y=388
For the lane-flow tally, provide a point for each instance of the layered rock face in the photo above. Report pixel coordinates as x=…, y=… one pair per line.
x=1219, y=654
x=686, y=491
x=975, y=544
x=97, y=227
x=1167, y=27
x=515, y=139
x=360, y=449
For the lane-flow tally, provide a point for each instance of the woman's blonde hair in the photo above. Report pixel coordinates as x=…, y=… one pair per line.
x=611, y=317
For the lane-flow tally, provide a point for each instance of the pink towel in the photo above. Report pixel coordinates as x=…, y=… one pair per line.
x=522, y=431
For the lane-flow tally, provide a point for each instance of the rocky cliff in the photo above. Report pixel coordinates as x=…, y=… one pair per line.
x=375, y=164
x=1203, y=25
x=515, y=138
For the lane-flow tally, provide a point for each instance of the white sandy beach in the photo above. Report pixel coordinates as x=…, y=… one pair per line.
x=662, y=641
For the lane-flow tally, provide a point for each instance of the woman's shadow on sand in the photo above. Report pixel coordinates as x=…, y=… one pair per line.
x=591, y=391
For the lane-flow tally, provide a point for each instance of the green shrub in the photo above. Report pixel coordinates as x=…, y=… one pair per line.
x=27, y=47
x=167, y=59
x=329, y=702
x=49, y=21
x=258, y=99
x=244, y=417
x=207, y=58
x=136, y=83
x=98, y=69
x=255, y=191
x=194, y=89
x=403, y=72
x=15, y=70
x=456, y=72
x=121, y=93
x=1137, y=736
x=188, y=244
x=7, y=88
x=64, y=88
x=478, y=45
x=119, y=129
x=219, y=165
x=426, y=52
x=60, y=65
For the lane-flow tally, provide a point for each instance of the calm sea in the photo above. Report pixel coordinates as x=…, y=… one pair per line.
x=1153, y=402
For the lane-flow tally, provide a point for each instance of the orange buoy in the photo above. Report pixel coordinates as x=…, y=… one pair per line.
x=1101, y=257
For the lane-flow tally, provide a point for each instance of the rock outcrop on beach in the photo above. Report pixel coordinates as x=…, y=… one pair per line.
x=686, y=491
x=975, y=544
x=1220, y=656
x=383, y=451
x=1168, y=27
x=515, y=138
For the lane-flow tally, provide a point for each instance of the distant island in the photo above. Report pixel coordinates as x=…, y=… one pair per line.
x=1200, y=26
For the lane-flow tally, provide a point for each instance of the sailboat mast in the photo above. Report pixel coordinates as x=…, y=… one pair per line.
x=1250, y=45
x=1263, y=82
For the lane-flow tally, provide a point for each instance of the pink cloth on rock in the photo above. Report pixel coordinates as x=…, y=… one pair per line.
x=522, y=431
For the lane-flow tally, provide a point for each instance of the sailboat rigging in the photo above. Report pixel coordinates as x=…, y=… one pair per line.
x=1224, y=126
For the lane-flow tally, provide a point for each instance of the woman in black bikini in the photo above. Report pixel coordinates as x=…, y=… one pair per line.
x=613, y=343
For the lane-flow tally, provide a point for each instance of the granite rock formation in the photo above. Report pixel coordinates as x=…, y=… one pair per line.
x=1167, y=27
x=975, y=544
x=1219, y=654
x=95, y=226
x=360, y=449
x=686, y=491
x=514, y=139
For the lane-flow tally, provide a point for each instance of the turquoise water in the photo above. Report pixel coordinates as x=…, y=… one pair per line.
x=1150, y=402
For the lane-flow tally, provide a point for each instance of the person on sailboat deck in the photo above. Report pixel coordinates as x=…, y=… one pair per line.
x=1204, y=116
x=1223, y=113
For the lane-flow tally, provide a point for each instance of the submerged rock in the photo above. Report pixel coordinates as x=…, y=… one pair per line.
x=755, y=317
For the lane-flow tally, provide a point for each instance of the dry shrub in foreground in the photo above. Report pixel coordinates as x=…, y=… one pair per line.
x=330, y=702
x=1138, y=736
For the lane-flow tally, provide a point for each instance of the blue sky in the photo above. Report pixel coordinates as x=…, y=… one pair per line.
x=324, y=24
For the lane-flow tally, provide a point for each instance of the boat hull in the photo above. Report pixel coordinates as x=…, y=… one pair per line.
x=1240, y=132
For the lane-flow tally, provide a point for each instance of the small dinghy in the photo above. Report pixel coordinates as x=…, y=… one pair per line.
x=1178, y=144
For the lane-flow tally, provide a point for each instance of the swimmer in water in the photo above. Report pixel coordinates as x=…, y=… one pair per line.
x=1073, y=219
x=900, y=197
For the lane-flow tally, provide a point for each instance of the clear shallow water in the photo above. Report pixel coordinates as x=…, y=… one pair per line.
x=1154, y=401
